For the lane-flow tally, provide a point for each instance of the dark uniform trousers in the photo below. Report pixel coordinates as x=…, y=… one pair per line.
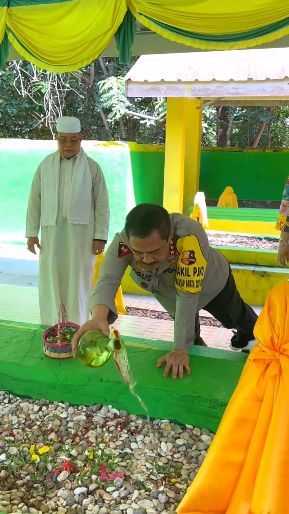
x=229, y=308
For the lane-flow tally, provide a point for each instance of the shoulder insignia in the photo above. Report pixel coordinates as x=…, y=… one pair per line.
x=173, y=251
x=123, y=250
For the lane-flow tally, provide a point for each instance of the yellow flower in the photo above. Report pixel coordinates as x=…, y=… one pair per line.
x=35, y=453
x=90, y=454
x=44, y=449
x=174, y=480
x=32, y=449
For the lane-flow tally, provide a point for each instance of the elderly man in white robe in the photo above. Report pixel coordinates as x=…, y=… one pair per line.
x=69, y=202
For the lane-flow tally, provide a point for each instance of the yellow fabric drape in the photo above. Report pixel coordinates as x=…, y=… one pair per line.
x=281, y=222
x=119, y=303
x=212, y=17
x=64, y=36
x=3, y=16
x=246, y=469
x=228, y=198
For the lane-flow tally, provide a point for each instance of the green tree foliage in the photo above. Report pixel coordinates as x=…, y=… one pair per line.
x=209, y=126
x=31, y=99
x=244, y=126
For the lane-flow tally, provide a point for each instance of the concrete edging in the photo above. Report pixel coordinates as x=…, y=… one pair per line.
x=198, y=400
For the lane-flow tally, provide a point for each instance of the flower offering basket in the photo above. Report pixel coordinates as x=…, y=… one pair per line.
x=57, y=339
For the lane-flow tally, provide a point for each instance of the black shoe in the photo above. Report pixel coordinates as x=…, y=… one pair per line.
x=240, y=342
x=199, y=341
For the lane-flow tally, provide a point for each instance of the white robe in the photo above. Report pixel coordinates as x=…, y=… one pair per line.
x=66, y=260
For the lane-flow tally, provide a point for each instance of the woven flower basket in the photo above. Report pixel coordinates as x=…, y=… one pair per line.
x=57, y=339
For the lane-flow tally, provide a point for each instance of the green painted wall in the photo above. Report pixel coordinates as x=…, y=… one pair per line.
x=148, y=174
x=18, y=162
x=254, y=175
x=135, y=174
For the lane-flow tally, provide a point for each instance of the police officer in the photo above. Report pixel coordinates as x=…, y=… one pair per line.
x=170, y=257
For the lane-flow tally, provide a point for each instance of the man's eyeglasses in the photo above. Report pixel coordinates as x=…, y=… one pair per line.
x=69, y=140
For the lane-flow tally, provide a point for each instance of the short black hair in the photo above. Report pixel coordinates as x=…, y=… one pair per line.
x=143, y=219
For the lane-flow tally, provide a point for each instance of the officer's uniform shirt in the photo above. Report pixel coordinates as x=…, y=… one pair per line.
x=187, y=281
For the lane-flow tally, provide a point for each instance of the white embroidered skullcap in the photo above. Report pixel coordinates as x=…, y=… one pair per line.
x=68, y=124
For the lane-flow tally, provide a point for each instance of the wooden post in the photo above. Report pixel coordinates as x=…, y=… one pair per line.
x=182, y=157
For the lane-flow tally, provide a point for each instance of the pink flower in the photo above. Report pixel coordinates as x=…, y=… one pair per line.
x=68, y=466
x=104, y=475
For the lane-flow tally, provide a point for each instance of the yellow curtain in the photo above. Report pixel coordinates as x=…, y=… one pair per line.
x=119, y=303
x=246, y=469
x=3, y=15
x=213, y=18
x=64, y=36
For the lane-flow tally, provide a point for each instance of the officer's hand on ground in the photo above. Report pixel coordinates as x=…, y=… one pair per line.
x=97, y=247
x=31, y=242
x=283, y=255
x=93, y=324
x=175, y=362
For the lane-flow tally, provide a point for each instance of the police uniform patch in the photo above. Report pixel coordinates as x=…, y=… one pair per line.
x=188, y=257
x=123, y=250
x=191, y=265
